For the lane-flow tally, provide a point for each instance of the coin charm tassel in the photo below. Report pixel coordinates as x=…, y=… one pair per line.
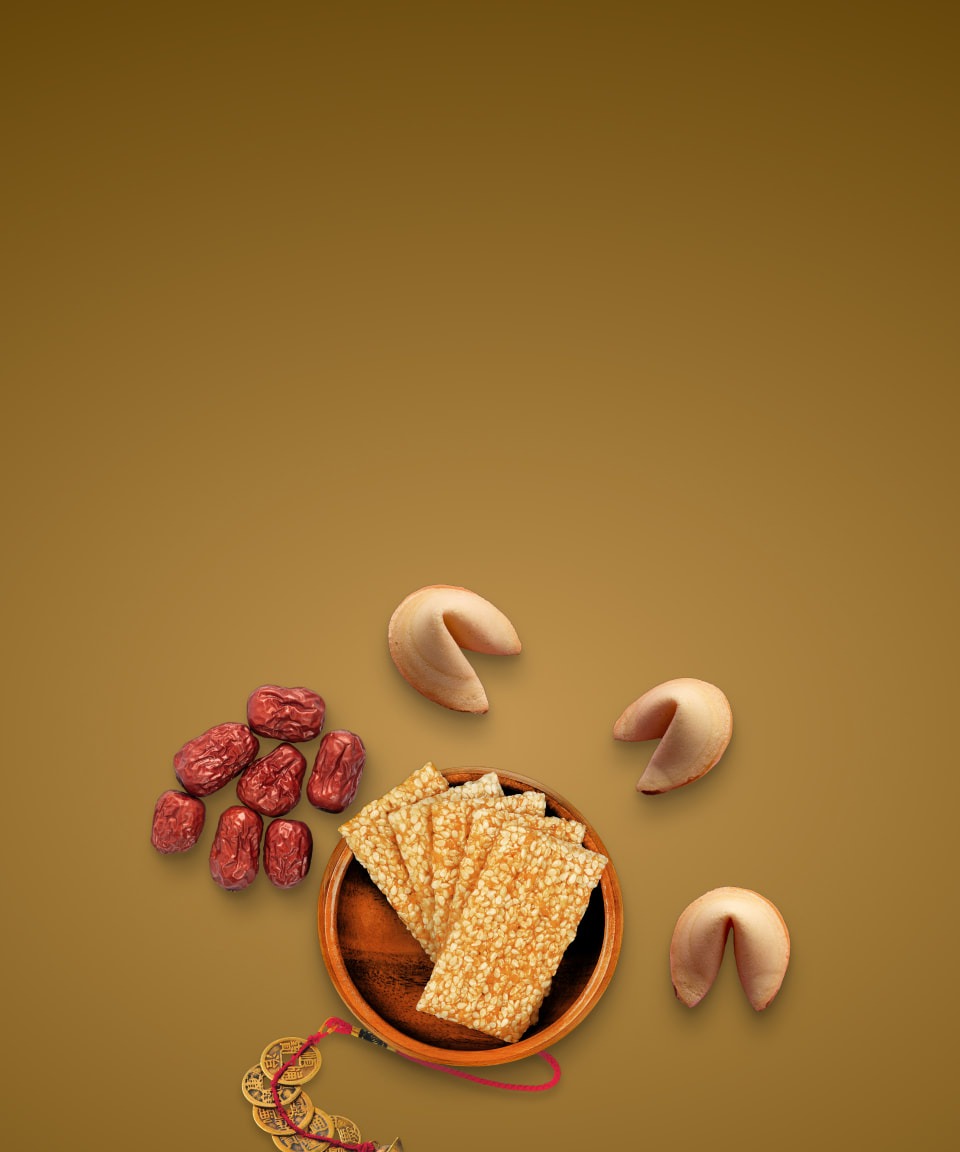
x=291, y=1062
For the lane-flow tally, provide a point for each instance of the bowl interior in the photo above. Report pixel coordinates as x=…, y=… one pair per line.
x=380, y=971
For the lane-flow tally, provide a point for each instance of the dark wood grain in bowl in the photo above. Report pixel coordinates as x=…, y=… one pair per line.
x=379, y=970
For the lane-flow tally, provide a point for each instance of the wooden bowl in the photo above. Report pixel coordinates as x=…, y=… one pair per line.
x=380, y=971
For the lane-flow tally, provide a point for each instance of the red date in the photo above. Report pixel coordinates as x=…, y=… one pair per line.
x=271, y=785
x=336, y=772
x=294, y=714
x=177, y=822
x=235, y=855
x=287, y=848
x=208, y=762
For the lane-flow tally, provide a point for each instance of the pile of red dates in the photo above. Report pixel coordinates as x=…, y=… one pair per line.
x=269, y=786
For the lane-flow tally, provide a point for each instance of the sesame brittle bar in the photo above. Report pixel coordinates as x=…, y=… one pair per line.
x=481, y=838
x=500, y=958
x=451, y=827
x=371, y=838
x=412, y=826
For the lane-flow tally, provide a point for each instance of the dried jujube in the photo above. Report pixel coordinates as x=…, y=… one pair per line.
x=287, y=848
x=207, y=762
x=271, y=785
x=336, y=772
x=177, y=822
x=293, y=714
x=235, y=855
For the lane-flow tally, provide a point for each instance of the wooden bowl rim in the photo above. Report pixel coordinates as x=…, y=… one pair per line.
x=333, y=876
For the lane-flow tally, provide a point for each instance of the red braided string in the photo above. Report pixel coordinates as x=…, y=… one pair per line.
x=333, y=1024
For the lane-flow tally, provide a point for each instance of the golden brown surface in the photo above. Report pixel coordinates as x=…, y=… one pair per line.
x=500, y=957
x=637, y=319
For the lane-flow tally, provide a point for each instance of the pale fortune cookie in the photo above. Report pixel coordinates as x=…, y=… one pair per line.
x=692, y=720
x=761, y=945
x=426, y=633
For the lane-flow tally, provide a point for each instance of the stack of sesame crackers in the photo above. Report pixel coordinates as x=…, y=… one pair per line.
x=491, y=888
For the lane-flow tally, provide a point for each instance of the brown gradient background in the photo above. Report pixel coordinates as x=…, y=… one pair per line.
x=639, y=320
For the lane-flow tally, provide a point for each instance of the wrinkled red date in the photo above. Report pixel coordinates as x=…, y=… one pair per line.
x=177, y=822
x=208, y=762
x=336, y=773
x=294, y=714
x=235, y=855
x=287, y=848
x=271, y=785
